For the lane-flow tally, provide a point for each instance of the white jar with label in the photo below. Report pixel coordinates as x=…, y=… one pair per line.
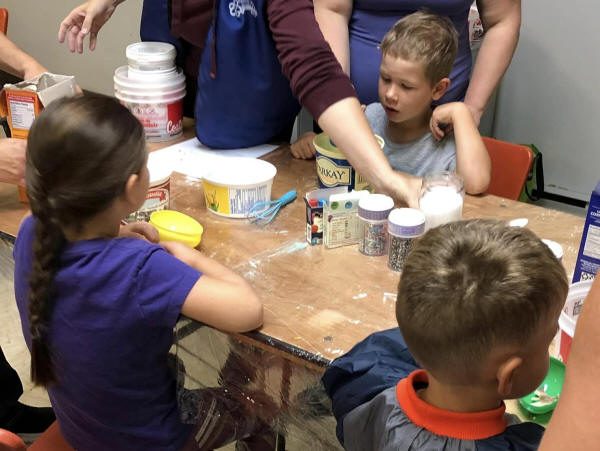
x=153, y=89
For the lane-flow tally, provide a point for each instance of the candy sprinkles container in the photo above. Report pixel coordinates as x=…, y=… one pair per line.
x=373, y=211
x=404, y=225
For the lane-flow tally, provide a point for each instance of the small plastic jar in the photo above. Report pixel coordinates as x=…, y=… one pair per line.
x=373, y=211
x=404, y=225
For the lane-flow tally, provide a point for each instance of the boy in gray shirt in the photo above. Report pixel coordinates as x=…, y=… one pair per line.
x=417, y=55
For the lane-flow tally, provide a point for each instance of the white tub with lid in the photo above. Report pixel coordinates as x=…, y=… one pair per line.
x=232, y=186
x=153, y=89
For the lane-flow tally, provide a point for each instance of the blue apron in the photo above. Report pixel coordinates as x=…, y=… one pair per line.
x=243, y=97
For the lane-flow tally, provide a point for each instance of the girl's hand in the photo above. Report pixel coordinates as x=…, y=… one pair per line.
x=140, y=230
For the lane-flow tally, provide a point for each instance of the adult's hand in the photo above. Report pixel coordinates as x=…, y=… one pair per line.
x=12, y=160
x=86, y=19
x=141, y=230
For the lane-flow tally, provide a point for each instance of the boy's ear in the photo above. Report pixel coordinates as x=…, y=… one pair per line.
x=506, y=374
x=440, y=88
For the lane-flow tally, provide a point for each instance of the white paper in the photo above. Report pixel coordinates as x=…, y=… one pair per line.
x=194, y=159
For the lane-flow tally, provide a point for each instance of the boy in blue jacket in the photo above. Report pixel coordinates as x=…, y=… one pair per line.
x=478, y=305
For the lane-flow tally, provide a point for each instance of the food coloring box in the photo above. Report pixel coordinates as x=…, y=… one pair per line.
x=588, y=259
x=315, y=201
x=340, y=219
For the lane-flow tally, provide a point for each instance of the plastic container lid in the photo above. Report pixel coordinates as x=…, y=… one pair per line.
x=151, y=55
x=326, y=147
x=406, y=222
x=159, y=173
x=240, y=172
x=549, y=390
x=375, y=207
x=556, y=248
x=175, y=226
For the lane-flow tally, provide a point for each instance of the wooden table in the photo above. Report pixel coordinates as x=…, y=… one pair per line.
x=318, y=302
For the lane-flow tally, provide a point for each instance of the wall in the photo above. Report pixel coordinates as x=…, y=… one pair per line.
x=549, y=95
x=33, y=26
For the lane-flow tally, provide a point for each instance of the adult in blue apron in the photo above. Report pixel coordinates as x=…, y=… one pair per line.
x=243, y=100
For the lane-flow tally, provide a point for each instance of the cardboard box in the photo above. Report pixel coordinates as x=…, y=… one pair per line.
x=588, y=259
x=21, y=103
x=315, y=200
x=340, y=219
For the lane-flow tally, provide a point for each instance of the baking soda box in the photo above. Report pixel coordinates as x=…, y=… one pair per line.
x=21, y=103
x=588, y=259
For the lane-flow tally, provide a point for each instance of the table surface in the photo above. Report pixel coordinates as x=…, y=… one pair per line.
x=318, y=302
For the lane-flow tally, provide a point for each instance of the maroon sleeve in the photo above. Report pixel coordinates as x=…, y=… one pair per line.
x=316, y=77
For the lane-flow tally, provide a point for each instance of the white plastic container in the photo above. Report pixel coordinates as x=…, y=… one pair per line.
x=373, y=211
x=232, y=186
x=153, y=89
x=568, y=317
x=404, y=226
x=441, y=198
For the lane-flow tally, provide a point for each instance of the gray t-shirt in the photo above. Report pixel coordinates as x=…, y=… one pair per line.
x=422, y=156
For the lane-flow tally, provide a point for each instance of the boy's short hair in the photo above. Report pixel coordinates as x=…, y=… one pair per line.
x=424, y=37
x=470, y=286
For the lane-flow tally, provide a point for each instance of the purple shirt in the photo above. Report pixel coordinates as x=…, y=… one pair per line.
x=371, y=20
x=116, y=303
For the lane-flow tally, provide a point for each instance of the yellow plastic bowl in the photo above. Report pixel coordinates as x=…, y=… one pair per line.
x=175, y=226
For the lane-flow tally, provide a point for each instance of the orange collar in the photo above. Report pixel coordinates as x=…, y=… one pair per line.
x=463, y=426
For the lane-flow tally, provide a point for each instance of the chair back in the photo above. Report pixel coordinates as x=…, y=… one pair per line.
x=511, y=164
x=10, y=441
x=3, y=20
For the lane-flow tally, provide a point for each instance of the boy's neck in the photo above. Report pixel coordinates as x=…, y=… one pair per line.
x=410, y=130
x=459, y=398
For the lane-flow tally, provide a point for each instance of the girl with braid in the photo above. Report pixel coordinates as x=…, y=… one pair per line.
x=98, y=310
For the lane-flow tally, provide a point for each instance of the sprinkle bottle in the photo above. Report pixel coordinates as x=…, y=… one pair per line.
x=373, y=211
x=404, y=226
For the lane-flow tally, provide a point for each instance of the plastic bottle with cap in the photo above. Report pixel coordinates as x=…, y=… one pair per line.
x=373, y=211
x=404, y=226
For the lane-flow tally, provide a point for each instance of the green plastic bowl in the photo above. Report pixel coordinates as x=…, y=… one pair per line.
x=551, y=386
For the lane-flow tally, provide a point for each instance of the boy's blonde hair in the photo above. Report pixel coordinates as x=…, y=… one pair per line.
x=426, y=38
x=470, y=286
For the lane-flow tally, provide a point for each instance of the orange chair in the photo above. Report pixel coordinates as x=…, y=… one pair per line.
x=511, y=164
x=3, y=20
x=50, y=440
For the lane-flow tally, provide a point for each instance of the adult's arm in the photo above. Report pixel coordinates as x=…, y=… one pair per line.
x=501, y=21
x=320, y=85
x=16, y=62
x=574, y=423
x=333, y=17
